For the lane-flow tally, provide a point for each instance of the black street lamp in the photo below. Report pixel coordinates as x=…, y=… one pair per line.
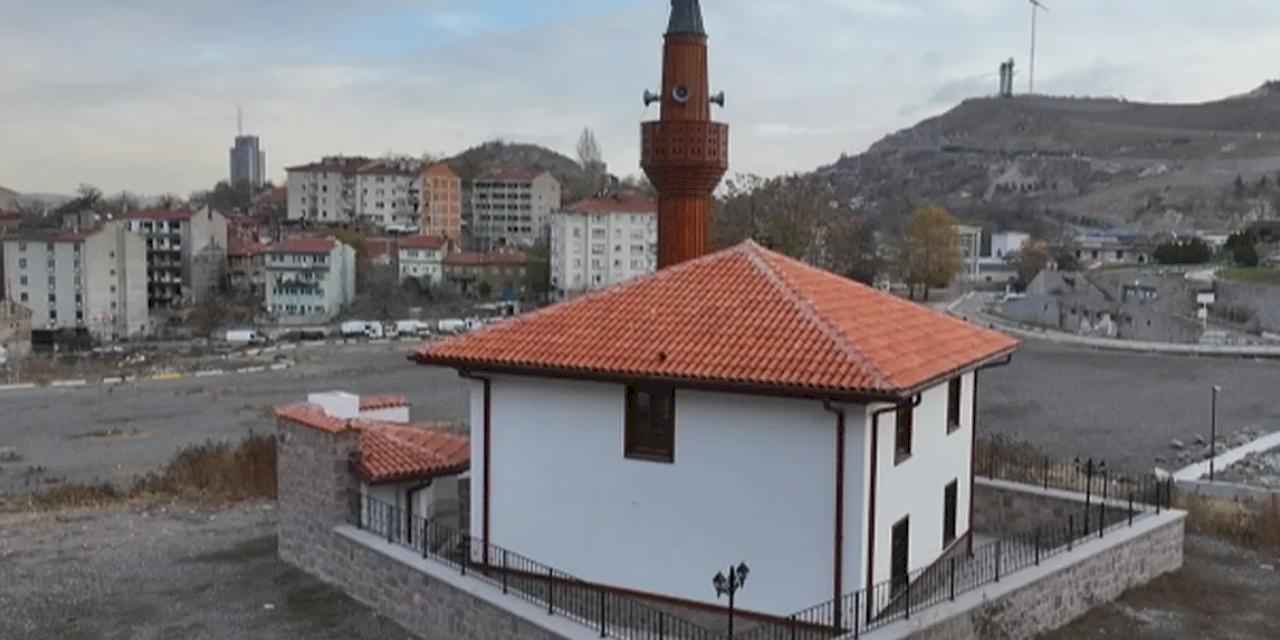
x=1213, y=431
x=729, y=584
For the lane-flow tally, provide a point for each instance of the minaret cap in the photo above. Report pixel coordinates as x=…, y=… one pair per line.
x=686, y=18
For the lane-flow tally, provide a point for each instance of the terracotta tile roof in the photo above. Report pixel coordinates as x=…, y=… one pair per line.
x=389, y=401
x=395, y=453
x=160, y=214
x=304, y=245
x=439, y=169
x=620, y=203
x=422, y=242
x=391, y=452
x=242, y=248
x=744, y=317
x=504, y=258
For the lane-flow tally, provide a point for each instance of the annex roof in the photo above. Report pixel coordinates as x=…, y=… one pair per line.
x=744, y=317
x=621, y=203
x=390, y=452
x=304, y=245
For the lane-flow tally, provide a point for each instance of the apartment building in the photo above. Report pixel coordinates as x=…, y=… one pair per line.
x=388, y=192
x=94, y=280
x=422, y=258
x=247, y=267
x=498, y=273
x=603, y=241
x=186, y=254
x=512, y=207
x=324, y=192
x=309, y=280
x=440, y=205
x=248, y=161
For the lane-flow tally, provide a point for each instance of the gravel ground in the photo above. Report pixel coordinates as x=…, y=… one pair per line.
x=1125, y=407
x=115, y=433
x=1222, y=592
x=164, y=573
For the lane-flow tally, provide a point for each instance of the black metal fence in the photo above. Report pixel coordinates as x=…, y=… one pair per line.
x=1001, y=458
x=613, y=614
x=1111, y=501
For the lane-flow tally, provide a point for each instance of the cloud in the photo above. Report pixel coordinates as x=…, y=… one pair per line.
x=142, y=95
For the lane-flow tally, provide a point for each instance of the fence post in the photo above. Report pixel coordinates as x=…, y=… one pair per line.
x=1088, y=493
x=952, y=578
x=391, y=525
x=1046, y=473
x=1071, y=530
x=999, y=545
x=908, y=596
x=551, y=591
x=1131, y=508
x=1168, y=494
x=1158, y=483
x=1037, y=545
x=1102, y=518
x=857, y=604
x=504, y=570
x=466, y=553
x=603, y=612
x=426, y=538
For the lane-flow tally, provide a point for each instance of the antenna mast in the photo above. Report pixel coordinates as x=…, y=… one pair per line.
x=239, y=121
x=1036, y=7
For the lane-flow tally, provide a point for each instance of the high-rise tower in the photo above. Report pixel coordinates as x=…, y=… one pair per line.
x=684, y=153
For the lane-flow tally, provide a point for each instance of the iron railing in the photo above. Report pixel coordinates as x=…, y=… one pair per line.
x=1111, y=501
x=610, y=613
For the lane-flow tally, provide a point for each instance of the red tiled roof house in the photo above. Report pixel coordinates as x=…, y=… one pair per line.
x=741, y=406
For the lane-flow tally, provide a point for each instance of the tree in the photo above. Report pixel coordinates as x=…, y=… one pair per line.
x=1242, y=247
x=1032, y=258
x=484, y=289
x=122, y=203
x=929, y=254
x=1190, y=251
x=592, y=161
x=851, y=250
x=226, y=196
x=169, y=201
x=537, y=273
x=1066, y=259
x=1238, y=188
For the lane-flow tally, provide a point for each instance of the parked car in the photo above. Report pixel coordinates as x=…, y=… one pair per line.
x=362, y=329
x=244, y=336
x=452, y=325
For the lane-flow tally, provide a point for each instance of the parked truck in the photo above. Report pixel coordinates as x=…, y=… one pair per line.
x=415, y=328
x=361, y=329
x=452, y=325
x=244, y=336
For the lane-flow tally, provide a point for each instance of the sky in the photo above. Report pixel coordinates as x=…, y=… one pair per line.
x=141, y=95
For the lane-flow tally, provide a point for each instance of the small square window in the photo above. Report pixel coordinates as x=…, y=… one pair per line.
x=650, y=423
x=902, y=434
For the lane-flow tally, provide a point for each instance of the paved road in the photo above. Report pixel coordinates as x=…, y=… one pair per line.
x=1125, y=407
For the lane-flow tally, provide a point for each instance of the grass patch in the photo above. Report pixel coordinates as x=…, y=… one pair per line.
x=1253, y=524
x=1254, y=275
x=213, y=471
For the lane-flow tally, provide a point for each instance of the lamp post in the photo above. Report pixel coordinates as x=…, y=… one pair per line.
x=1213, y=431
x=729, y=584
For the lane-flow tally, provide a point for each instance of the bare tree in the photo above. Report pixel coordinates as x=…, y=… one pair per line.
x=592, y=161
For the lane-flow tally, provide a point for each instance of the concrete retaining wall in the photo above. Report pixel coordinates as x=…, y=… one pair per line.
x=1060, y=590
x=316, y=486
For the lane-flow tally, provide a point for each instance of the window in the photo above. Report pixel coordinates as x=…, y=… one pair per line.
x=23, y=296
x=23, y=280
x=650, y=423
x=22, y=263
x=953, y=405
x=902, y=434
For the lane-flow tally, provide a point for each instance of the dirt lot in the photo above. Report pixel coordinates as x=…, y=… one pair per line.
x=1222, y=592
x=183, y=572
x=164, y=573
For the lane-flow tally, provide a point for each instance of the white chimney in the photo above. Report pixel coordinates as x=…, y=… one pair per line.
x=338, y=404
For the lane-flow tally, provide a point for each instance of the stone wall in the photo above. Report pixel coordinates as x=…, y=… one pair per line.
x=1060, y=590
x=315, y=506
x=1262, y=300
x=1005, y=508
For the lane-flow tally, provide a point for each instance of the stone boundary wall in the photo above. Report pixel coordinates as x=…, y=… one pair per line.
x=1003, y=508
x=1262, y=299
x=315, y=507
x=1061, y=589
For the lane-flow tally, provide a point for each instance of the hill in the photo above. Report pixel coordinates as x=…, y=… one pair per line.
x=497, y=154
x=8, y=199
x=1097, y=161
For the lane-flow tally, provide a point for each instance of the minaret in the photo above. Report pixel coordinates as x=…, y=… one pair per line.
x=684, y=153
